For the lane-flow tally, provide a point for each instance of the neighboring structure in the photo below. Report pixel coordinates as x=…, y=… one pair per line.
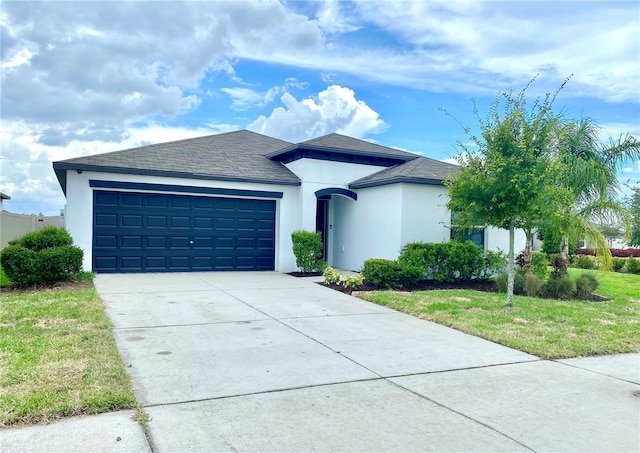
x=231, y=201
x=13, y=226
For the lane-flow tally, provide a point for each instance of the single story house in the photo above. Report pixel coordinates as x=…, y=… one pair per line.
x=231, y=201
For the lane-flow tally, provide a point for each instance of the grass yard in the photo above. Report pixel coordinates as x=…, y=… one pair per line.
x=58, y=357
x=550, y=329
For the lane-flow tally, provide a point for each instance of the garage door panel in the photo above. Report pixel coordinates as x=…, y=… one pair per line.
x=156, y=221
x=139, y=232
x=130, y=220
x=131, y=242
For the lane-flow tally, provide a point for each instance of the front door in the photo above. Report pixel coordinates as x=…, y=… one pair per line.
x=322, y=223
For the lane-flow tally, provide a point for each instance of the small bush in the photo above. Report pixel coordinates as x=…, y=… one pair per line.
x=532, y=284
x=19, y=264
x=331, y=276
x=633, y=266
x=41, y=257
x=540, y=265
x=618, y=264
x=353, y=281
x=307, y=248
x=390, y=274
x=586, y=284
x=58, y=263
x=493, y=264
x=560, y=287
x=48, y=237
x=518, y=283
x=585, y=262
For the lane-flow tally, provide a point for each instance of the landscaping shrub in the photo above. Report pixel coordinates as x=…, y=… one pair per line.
x=307, y=248
x=353, y=281
x=46, y=238
x=585, y=262
x=617, y=253
x=331, y=275
x=44, y=256
x=390, y=274
x=633, y=266
x=540, y=265
x=532, y=284
x=19, y=265
x=493, y=264
x=58, y=263
x=445, y=262
x=618, y=264
x=518, y=283
x=586, y=284
x=560, y=287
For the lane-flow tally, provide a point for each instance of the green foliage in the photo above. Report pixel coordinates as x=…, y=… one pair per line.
x=41, y=257
x=493, y=263
x=506, y=179
x=58, y=263
x=551, y=240
x=446, y=262
x=331, y=275
x=618, y=264
x=560, y=287
x=390, y=274
x=585, y=262
x=532, y=284
x=518, y=283
x=586, y=284
x=307, y=248
x=19, y=264
x=633, y=266
x=540, y=265
x=353, y=281
x=634, y=208
x=48, y=237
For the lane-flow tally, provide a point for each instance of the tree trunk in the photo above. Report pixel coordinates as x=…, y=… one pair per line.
x=564, y=256
x=511, y=269
x=526, y=267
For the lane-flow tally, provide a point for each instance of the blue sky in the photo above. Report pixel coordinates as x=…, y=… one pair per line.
x=81, y=78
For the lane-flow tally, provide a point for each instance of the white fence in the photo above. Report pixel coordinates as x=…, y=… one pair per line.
x=15, y=225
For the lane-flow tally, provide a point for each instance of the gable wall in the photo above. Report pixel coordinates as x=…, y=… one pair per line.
x=321, y=174
x=425, y=216
x=79, y=209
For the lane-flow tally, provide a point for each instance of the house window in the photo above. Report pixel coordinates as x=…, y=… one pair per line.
x=475, y=235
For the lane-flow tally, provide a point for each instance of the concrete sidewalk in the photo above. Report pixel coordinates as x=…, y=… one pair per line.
x=267, y=362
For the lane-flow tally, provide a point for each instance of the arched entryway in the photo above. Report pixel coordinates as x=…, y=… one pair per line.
x=323, y=226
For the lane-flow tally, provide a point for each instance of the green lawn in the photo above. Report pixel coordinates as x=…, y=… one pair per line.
x=550, y=329
x=58, y=357
x=4, y=281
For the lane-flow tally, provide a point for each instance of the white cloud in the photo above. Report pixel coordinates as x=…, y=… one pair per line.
x=335, y=109
x=333, y=19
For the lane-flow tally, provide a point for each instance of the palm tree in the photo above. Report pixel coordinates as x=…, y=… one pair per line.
x=588, y=171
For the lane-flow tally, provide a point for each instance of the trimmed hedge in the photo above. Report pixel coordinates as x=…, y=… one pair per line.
x=619, y=253
x=307, y=248
x=41, y=257
x=390, y=274
x=451, y=261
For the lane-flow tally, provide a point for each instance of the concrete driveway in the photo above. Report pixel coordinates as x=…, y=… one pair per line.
x=268, y=362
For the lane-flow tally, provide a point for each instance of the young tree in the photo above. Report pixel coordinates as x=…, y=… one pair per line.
x=506, y=179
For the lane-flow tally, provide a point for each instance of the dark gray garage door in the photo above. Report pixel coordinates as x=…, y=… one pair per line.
x=145, y=232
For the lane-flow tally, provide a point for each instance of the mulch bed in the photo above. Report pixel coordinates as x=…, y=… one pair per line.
x=68, y=285
x=426, y=285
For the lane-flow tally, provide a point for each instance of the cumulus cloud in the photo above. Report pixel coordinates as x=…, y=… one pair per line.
x=100, y=66
x=335, y=109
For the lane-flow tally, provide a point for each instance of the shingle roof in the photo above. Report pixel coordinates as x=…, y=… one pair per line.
x=343, y=144
x=421, y=171
x=4, y=196
x=235, y=156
